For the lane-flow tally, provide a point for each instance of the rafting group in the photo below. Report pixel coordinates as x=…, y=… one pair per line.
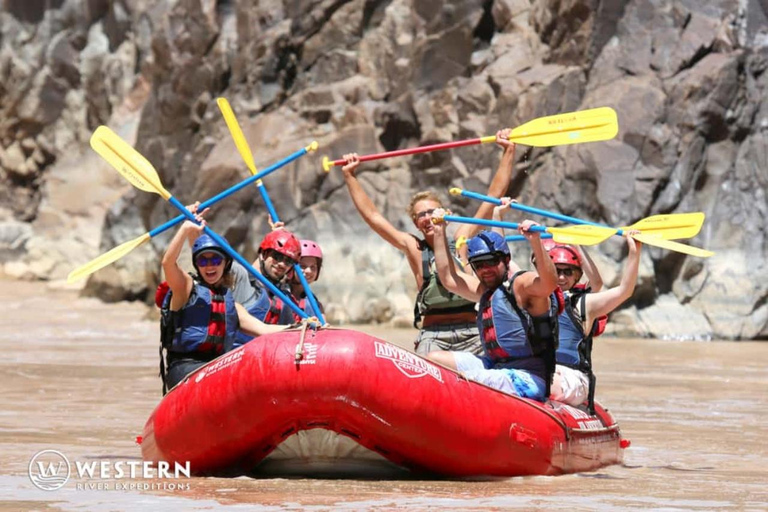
x=518, y=331
x=527, y=333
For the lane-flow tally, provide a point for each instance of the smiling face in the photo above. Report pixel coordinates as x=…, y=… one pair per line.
x=422, y=215
x=276, y=265
x=210, y=265
x=567, y=276
x=310, y=267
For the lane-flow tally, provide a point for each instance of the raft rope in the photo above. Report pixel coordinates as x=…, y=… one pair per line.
x=305, y=323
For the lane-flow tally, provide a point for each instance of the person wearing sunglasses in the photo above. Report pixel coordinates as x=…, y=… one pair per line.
x=201, y=318
x=517, y=317
x=445, y=320
x=574, y=379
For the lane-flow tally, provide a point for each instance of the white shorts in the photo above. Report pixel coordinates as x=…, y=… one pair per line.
x=509, y=380
x=569, y=386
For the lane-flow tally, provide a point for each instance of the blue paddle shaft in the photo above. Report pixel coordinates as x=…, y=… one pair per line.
x=235, y=255
x=536, y=211
x=492, y=223
x=235, y=188
x=296, y=267
x=521, y=238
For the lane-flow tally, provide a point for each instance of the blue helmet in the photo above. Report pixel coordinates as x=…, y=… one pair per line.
x=205, y=243
x=486, y=245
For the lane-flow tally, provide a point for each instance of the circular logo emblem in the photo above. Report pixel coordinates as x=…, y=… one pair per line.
x=49, y=470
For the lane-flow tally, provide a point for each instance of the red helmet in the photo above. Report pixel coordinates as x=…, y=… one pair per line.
x=283, y=242
x=566, y=255
x=548, y=244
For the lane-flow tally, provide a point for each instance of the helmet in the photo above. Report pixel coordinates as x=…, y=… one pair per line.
x=485, y=245
x=205, y=243
x=311, y=249
x=548, y=244
x=283, y=242
x=565, y=255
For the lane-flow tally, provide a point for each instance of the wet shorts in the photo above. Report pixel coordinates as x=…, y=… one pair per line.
x=508, y=380
x=570, y=386
x=453, y=337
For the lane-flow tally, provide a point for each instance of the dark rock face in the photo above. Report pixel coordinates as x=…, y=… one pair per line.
x=687, y=79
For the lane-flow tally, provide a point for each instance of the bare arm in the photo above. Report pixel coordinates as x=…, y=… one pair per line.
x=533, y=287
x=499, y=184
x=252, y=325
x=594, y=279
x=460, y=283
x=179, y=281
x=368, y=211
x=498, y=212
x=602, y=303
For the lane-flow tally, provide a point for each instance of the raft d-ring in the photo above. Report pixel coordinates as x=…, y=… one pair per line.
x=305, y=323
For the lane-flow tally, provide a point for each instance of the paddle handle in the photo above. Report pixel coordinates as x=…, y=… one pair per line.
x=327, y=164
x=236, y=256
x=492, y=223
x=521, y=238
x=235, y=188
x=529, y=209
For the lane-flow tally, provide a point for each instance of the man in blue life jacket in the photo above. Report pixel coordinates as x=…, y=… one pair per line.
x=517, y=318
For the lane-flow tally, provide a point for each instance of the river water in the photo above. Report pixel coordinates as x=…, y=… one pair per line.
x=80, y=377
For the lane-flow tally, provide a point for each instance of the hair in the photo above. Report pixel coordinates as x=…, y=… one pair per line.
x=424, y=195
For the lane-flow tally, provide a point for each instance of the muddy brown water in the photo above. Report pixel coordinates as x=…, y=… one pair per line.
x=80, y=377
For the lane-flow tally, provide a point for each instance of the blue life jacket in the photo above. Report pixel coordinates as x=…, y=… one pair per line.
x=191, y=323
x=573, y=348
x=512, y=338
x=258, y=308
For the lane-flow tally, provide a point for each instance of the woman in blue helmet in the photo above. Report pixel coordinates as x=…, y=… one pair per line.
x=517, y=318
x=204, y=317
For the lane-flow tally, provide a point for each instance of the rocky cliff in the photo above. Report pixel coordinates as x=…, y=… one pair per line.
x=686, y=78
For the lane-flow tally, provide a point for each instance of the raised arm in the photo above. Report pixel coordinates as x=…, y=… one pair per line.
x=498, y=213
x=179, y=281
x=540, y=284
x=460, y=283
x=368, y=211
x=498, y=187
x=594, y=279
x=602, y=303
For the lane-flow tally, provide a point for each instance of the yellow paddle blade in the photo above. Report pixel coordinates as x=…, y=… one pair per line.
x=237, y=134
x=672, y=246
x=106, y=258
x=574, y=127
x=671, y=226
x=128, y=162
x=581, y=235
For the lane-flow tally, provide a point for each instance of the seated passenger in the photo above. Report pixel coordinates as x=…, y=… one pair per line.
x=203, y=318
x=517, y=319
x=310, y=262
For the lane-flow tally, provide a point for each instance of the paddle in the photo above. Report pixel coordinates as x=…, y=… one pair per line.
x=572, y=128
x=586, y=235
x=140, y=173
x=245, y=153
x=671, y=226
x=121, y=250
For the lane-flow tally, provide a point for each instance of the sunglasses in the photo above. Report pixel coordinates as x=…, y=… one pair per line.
x=215, y=260
x=567, y=272
x=423, y=214
x=281, y=258
x=485, y=263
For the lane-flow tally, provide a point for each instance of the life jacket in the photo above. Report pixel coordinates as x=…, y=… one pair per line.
x=258, y=308
x=512, y=338
x=575, y=349
x=306, y=306
x=203, y=329
x=433, y=298
x=599, y=323
x=280, y=313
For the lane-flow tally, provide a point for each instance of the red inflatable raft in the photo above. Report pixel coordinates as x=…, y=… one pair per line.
x=352, y=400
